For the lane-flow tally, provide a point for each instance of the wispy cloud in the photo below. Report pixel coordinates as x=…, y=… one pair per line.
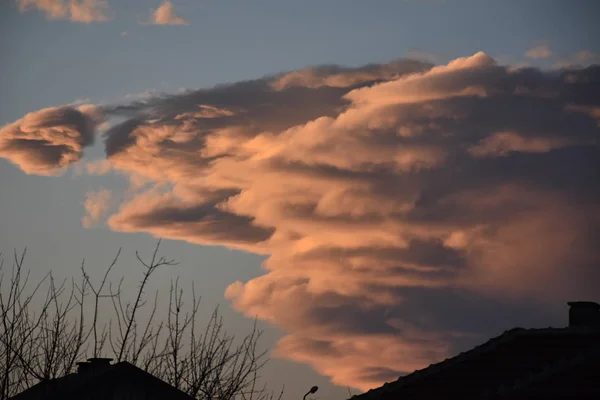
x=579, y=59
x=165, y=15
x=402, y=206
x=85, y=11
x=540, y=50
x=96, y=206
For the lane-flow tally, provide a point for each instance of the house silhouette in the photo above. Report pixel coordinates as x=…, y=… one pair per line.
x=550, y=363
x=97, y=379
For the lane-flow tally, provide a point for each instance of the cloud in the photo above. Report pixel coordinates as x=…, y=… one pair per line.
x=45, y=142
x=165, y=15
x=85, y=11
x=461, y=77
x=421, y=55
x=336, y=76
x=505, y=143
x=580, y=59
x=408, y=211
x=540, y=50
x=201, y=221
x=96, y=206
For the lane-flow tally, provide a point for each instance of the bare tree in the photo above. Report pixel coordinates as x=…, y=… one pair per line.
x=36, y=343
x=42, y=337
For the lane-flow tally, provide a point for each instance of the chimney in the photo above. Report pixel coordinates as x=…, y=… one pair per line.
x=93, y=364
x=584, y=314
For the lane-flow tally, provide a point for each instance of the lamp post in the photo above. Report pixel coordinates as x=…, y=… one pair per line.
x=311, y=391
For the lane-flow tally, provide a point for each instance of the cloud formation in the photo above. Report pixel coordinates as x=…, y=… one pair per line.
x=165, y=15
x=45, y=142
x=407, y=210
x=85, y=11
x=96, y=206
x=540, y=50
x=580, y=59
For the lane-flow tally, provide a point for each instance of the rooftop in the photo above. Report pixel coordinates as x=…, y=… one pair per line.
x=517, y=358
x=97, y=379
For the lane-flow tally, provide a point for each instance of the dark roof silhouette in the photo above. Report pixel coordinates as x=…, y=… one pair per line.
x=118, y=381
x=551, y=363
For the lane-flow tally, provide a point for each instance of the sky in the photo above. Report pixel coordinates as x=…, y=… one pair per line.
x=382, y=184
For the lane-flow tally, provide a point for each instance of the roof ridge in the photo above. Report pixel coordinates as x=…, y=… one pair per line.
x=483, y=348
x=76, y=380
x=448, y=362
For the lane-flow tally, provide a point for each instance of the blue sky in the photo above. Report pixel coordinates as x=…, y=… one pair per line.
x=236, y=40
x=52, y=62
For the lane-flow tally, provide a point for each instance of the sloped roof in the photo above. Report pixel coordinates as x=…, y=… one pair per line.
x=76, y=384
x=501, y=367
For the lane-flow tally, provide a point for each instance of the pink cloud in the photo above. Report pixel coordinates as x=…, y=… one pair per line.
x=339, y=356
x=579, y=59
x=45, y=142
x=504, y=143
x=165, y=15
x=85, y=11
x=96, y=204
x=397, y=203
x=335, y=76
x=539, y=51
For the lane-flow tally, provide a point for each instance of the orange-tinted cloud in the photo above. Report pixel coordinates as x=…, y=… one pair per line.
x=404, y=208
x=336, y=76
x=85, y=11
x=505, y=143
x=45, y=142
x=96, y=206
x=539, y=51
x=580, y=59
x=165, y=15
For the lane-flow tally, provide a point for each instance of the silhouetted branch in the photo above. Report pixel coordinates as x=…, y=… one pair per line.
x=43, y=336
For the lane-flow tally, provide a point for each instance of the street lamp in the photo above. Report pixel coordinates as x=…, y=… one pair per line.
x=311, y=391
